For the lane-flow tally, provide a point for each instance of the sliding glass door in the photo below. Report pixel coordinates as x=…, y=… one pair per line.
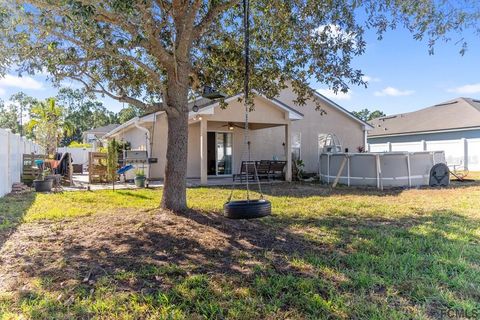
x=224, y=152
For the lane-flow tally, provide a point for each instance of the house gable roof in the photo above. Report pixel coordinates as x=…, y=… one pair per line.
x=206, y=106
x=321, y=97
x=209, y=106
x=456, y=114
x=103, y=129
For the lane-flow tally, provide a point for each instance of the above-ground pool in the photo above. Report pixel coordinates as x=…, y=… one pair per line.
x=389, y=169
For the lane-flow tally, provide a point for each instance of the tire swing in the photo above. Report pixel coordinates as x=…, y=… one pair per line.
x=249, y=208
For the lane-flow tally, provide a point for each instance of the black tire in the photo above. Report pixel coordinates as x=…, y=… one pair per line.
x=439, y=175
x=247, y=209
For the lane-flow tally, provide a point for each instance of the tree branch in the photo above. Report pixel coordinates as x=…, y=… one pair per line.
x=152, y=45
x=185, y=26
x=121, y=98
x=153, y=74
x=211, y=15
x=153, y=35
x=162, y=5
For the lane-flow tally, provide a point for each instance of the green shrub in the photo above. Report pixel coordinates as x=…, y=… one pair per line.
x=139, y=173
x=75, y=144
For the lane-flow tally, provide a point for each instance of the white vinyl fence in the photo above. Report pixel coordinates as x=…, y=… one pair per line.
x=461, y=153
x=12, y=148
x=79, y=155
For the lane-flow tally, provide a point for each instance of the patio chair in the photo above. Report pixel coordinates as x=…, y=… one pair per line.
x=263, y=169
x=277, y=169
x=247, y=171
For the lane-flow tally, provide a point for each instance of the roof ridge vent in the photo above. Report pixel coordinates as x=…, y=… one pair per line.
x=446, y=103
x=388, y=117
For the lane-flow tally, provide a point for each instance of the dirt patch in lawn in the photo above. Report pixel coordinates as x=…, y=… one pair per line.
x=87, y=248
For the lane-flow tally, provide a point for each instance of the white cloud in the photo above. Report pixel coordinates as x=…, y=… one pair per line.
x=70, y=83
x=20, y=82
x=370, y=79
x=466, y=89
x=332, y=95
x=2, y=92
x=44, y=72
x=393, y=92
x=333, y=32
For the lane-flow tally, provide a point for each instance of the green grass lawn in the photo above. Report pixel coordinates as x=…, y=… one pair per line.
x=344, y=253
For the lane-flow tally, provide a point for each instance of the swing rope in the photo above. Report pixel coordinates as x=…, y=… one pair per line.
x=246, y=142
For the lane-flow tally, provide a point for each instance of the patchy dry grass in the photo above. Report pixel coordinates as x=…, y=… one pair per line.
x=345, y=253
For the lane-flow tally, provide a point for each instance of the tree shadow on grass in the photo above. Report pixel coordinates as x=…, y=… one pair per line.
x=469, y=182
x=12, y=209
x=307, y=189
x=133, y=194
x=367, y=268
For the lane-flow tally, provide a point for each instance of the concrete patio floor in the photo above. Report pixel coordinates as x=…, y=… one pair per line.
x=81, y=183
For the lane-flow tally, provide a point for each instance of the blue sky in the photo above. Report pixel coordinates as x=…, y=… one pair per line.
x=402, y=76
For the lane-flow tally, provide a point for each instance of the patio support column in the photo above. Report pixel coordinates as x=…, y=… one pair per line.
x=288, y=151
x=203, y=151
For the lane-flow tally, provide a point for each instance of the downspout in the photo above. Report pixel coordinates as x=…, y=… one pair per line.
x=147, y=133
x=147, y=143
x=365, y=139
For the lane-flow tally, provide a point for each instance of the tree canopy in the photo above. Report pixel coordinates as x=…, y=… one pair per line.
x=84, y=112
x=129, y=112
x=129, y=49
x=48, y=124
x=9, y=117
x=81, y=111
x=14, y=112
x=367, y=115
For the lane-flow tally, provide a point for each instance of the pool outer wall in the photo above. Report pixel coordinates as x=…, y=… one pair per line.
x=386, y=169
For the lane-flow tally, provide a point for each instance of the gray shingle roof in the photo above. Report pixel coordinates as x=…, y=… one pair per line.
x=458, y=113
x=103, y=129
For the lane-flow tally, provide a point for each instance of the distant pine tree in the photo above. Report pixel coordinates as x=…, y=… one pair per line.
x=367, y=115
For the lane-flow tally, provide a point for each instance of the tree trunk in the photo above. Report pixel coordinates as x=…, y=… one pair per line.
x=175, y=184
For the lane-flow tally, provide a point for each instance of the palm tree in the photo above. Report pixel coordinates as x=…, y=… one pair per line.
x=48, y=124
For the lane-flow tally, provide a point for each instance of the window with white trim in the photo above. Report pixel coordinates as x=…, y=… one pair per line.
x=296, y=145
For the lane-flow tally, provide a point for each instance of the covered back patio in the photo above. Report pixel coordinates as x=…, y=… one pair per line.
x=217, y=142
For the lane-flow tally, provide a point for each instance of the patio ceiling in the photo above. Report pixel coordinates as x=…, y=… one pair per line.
x=239, y=125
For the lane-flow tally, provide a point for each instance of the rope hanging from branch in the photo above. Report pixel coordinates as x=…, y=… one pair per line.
x=246, y=26
x=246, y=142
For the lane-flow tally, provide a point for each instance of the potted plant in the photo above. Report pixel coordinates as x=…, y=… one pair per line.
x=299, y=165
x=43, y=183
x=140, y=178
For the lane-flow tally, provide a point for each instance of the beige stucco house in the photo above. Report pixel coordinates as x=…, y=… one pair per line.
x=216, y=145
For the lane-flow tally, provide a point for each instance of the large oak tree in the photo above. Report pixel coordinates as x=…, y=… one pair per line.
x=156, y=53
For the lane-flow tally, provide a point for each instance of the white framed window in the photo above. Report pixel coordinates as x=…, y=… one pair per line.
x=296, y=146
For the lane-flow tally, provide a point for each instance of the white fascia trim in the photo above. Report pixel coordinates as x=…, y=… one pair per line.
x=367, y=128
x=210, y=109
x=120, y=127
x=341, y=109
x=131, y=122
x=292, y=115
x=423, y=132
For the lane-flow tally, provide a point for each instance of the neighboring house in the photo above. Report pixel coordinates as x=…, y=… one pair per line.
x=216, y=136
x=452, y=126
x=93, y=135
